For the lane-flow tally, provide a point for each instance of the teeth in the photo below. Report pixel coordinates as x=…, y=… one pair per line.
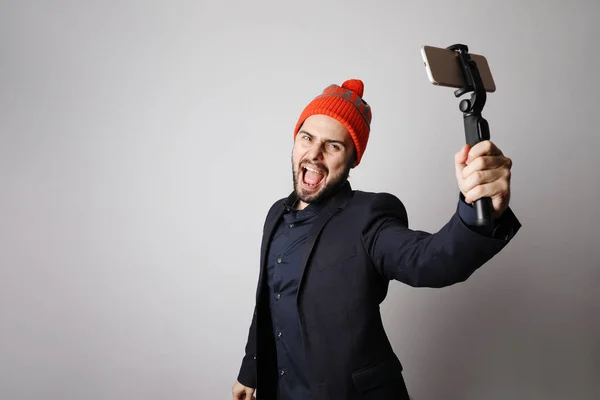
x=312, y=170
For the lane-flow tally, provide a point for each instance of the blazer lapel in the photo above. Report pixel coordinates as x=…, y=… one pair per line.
x=337, y=203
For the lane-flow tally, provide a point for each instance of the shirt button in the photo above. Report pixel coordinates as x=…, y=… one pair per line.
x=282, y=372
x=279, y=260
x=278, y=295
x=291, y=225
x=279, y=334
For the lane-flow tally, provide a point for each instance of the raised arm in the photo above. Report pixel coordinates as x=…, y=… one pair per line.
x=423, y=259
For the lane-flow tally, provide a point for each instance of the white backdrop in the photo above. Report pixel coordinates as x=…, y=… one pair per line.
x=142, y=143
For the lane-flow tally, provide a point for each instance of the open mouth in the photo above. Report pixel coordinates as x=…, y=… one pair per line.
x=311, y=177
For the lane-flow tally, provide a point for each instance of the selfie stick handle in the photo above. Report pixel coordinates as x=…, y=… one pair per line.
x=476, y=127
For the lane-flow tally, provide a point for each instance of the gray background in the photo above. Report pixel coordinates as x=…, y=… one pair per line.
x=143, y=142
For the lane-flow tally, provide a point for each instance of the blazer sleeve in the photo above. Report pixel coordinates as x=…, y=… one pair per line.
x=248, y=370
x=422, y=259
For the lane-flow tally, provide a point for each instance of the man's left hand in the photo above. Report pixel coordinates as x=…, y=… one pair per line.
x=484, y=171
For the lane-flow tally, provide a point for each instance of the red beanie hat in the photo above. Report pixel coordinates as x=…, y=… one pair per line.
x=345, y=104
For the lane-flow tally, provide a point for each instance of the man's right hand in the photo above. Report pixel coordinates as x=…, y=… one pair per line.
x=241, y=392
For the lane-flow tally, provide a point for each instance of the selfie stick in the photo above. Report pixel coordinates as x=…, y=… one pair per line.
x=476, y=127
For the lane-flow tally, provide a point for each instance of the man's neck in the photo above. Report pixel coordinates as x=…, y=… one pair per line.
x=300, y=205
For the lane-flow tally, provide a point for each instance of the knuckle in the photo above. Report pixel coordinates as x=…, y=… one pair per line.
x=478, y=163
x=481, y=176
x=465, y=172
x=470, y=183
x=477, y=177
x=484, y=162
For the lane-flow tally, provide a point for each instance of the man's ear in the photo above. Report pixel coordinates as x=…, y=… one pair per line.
x=354, y=159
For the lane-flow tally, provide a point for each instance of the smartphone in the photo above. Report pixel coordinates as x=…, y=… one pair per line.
x=443, y=68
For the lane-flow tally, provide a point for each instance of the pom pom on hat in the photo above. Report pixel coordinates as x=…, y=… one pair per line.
x=355, y=85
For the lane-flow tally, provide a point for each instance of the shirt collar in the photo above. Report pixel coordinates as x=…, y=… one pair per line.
x=292, y=200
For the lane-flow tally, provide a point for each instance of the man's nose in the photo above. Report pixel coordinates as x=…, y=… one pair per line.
x=315, y=152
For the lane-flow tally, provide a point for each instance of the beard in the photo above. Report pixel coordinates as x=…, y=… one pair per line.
x=328, y=189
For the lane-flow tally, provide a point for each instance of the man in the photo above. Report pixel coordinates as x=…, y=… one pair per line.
x=329, y=252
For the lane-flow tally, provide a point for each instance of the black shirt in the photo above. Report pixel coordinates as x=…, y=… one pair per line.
x=283, y=277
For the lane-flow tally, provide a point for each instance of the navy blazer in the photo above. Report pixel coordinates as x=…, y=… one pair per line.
x=359, y=243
